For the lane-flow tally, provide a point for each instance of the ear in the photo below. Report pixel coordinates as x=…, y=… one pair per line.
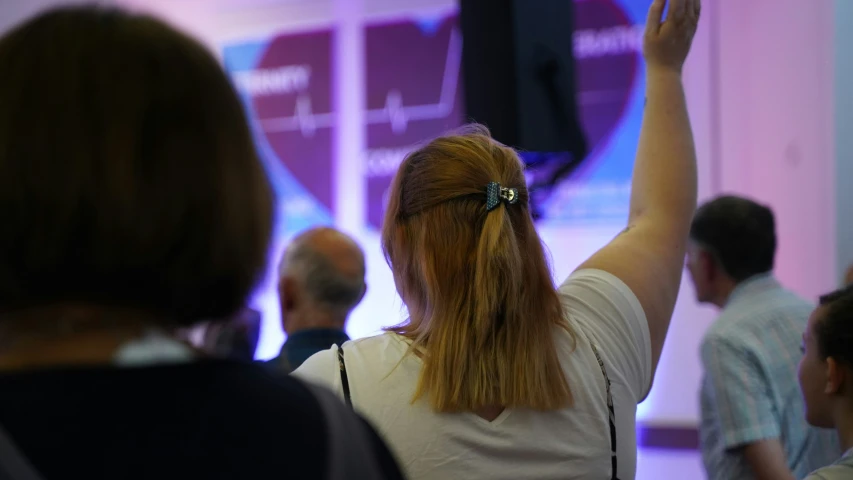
x=709, y=265
x=288, y=294
x=835, y=377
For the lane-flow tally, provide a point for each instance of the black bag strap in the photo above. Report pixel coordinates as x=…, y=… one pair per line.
x=344, y=378
x=13, y=464
x=612, y=412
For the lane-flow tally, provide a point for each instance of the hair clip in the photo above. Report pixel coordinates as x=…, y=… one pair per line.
x=495, y=193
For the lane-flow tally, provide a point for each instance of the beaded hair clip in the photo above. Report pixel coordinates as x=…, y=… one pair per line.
x=495, y=194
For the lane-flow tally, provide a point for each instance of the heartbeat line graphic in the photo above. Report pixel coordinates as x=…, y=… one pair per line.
x=303, y=120
x=399, y=115
x=394, y=112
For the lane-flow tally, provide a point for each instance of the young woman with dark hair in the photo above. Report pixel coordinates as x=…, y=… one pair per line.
x=826, y=376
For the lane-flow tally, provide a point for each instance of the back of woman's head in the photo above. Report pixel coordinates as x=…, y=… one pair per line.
x=128, y=176
x=834, y=330
x=482, y=304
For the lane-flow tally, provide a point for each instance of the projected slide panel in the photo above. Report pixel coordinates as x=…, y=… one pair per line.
x=413, y=94
x=286, y=83
x=609, y=71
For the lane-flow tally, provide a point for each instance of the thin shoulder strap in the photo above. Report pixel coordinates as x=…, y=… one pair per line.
x=13, y=464
x=344, y=378
x=611, y=411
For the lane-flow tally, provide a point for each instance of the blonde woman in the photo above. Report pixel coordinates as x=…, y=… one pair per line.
x=497, y=373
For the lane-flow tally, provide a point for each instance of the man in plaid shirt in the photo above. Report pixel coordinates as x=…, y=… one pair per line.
x=753, y=424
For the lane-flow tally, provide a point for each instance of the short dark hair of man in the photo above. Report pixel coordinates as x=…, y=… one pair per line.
x=834, y=330
x=739, y=233
x=128, y=174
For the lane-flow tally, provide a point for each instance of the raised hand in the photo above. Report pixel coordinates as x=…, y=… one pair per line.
x=666, y=42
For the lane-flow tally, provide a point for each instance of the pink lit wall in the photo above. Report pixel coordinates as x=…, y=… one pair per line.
x=776, y=126
x=760, y=86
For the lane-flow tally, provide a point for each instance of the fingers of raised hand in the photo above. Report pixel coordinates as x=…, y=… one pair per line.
x=687, y=13
x=677, y=8
x=655, y=15
x=695, y=10
x=683, y=17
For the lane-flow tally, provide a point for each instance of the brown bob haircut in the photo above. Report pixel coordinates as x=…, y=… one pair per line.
x=128, y=175
x=483, y=308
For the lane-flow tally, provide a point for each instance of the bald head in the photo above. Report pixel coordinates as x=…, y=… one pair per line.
x=328, y=267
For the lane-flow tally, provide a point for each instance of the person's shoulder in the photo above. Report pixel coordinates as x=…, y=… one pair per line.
x=367, y=346
x=285, y=411
x=767, y=303
x=605, y=310
x=357, y=450
x=597, y=290
x=839, y=471
x=797, y=306
x=596, y=301
x=729, y=329
x=787, y=300
x=237, y=415
x=586, y=276
x=321, y=366
x=270, y=405
x=724, y=329
x=725, y=335
x=256, y=382
x=376, y=354
x=746, y=321
x=380, y=342
x=250, y=401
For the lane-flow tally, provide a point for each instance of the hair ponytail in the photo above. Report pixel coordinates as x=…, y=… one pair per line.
x=496, y=259
x=484, y=312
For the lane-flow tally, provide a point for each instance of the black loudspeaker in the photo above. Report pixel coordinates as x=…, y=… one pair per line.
x=519, y=74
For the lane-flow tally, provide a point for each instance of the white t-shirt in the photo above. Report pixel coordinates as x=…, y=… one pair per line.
x=573, y=443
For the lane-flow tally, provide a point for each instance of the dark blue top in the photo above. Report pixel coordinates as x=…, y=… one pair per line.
x=301, y=345
x=211, y=419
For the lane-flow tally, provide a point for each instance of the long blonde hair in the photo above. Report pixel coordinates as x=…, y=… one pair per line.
x=483, y=308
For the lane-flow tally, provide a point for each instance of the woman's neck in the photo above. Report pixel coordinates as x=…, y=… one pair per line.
x=68, y=335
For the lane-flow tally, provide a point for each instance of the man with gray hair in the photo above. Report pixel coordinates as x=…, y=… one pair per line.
x=321, y=280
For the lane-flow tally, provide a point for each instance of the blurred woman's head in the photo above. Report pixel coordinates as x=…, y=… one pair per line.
x=128, y=177
x=482, y=303
x=826, y=368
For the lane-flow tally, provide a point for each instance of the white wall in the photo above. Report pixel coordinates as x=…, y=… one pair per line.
x=776, y=126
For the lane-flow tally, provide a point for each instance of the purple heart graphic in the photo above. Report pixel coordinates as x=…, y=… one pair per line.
x=409, y=69
x=413, y=92
x=291, y=91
